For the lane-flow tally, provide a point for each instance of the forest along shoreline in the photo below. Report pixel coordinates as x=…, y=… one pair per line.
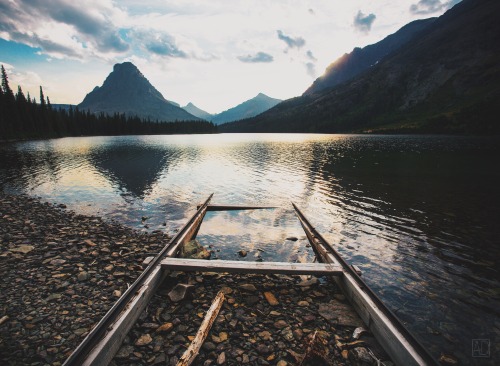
x=62, y=271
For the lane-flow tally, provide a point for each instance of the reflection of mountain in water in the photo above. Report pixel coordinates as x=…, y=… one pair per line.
x=133, y=168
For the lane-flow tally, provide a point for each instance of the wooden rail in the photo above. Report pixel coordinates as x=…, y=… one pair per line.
x=101, y=344
x=203, y=265
x=397, y=341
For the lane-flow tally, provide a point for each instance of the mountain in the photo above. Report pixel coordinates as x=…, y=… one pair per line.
x=126, y=90
x=250, y=108
x=445, y=80
x=360, y=59
x=195, y=111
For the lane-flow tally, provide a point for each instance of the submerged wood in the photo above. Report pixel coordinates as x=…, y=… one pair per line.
x=201, y=265
x=194, y=348
x=236, y=208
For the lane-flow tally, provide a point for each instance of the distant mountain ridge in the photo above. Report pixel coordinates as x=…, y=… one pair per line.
x=446, y=80
x=360, y=59
x=127, y=91
x=195, y=111
x=247, y=109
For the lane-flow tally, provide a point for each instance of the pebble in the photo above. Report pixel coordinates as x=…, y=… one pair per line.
x=144, y=340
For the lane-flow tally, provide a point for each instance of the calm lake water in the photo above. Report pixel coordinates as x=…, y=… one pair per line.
x=419, y=215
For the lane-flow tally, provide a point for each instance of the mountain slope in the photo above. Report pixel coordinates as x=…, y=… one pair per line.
x=126, y=90
x=195, y=111
x=250, y=108
x=360, y=59
x=447, y=80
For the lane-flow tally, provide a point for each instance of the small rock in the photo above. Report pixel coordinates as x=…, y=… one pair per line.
x=117, y=293
x=280, y=324
x=262, y=349
x=303, y=303
x=248, y=287
x=165, y=328
x=242, y=253
x=271, y=299
x=180, y=292
x=83, y=276
x=24, y=249
x=221, y=358
x=226, y=290
x=448, y=360
x=265, y=335
x=282, y=363
x=209, y=346
x=144, y=340
x=308, y=283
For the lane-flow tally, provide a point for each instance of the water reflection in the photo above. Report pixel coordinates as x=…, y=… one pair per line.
x=134, y=169
x=419, y=215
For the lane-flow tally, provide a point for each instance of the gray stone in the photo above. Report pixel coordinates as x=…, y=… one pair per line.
x=180, y=292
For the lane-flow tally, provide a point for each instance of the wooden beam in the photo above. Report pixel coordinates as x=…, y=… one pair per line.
x=203, y=265
x=194, y=348
x=236, y=208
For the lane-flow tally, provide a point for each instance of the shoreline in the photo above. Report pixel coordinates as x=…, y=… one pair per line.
x=63, y=271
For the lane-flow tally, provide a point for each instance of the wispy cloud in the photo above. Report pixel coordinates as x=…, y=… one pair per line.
x=310, y=56
x=311, y=69
x=158, y=43
x=362, y=22
x=424, y=7
x=291, y=42
x=258, y=57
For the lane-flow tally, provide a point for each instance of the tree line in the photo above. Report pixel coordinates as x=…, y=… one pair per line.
x=21, y=117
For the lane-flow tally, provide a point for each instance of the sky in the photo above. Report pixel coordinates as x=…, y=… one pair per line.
x=215, y=54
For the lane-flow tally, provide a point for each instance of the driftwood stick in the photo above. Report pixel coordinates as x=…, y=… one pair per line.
x=193, y=350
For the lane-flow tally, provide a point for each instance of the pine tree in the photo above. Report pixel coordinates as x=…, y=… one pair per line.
x=5, y=86
x=42, y=98
x=20, y=98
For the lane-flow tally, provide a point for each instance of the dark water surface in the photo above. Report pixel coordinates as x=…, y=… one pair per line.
x=419, y=215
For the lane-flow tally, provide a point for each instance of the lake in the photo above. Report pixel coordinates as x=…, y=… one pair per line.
x=420, y=215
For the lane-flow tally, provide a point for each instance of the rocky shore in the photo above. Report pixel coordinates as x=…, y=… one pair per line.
x=61, y=272
x=265, y=320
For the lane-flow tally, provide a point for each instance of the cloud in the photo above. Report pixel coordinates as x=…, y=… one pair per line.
x=362, y=22
x=424, y=7
x=311, y=69
x=310, y=56
x=61, y=28
x=297, y=42
x=158, y=43
x=258, y=57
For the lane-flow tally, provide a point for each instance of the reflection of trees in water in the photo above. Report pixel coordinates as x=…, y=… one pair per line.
x=26, y=167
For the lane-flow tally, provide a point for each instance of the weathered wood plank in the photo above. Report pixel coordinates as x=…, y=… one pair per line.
x=203, y=265
x=194, y=348
x=236, y=208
